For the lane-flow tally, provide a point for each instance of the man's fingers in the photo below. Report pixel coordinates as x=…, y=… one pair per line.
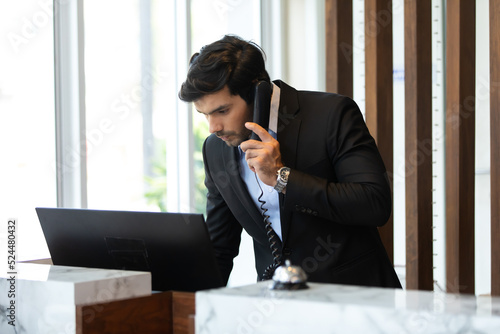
x=259, y=131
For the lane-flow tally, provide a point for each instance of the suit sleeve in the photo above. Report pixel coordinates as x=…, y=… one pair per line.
x=224, y=229
x=357, y=190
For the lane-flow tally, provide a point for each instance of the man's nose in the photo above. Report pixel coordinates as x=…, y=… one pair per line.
x=214, y=125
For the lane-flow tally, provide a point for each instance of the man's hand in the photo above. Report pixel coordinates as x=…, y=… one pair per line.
x=263, y=157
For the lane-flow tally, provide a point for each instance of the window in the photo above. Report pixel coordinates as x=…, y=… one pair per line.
x=27, y=170
x=139, y=136
x=128, y=71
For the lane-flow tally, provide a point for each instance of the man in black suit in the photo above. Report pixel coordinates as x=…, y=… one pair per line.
x=316, y=174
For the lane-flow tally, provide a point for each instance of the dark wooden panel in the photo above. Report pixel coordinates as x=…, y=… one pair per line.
x=150, y=314
x=495, y=144
x=183, y=312
x=339, y=47
x=418, y=144
x=460, y=150
x=379, y=90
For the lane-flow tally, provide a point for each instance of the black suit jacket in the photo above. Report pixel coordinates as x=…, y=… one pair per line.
x=337, y=194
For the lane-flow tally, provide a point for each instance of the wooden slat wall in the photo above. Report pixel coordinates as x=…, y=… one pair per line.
x=418, y=144
x=460, y=140
x=460, y=125
x=379, y=90
x=339, y=47
x=495, y=143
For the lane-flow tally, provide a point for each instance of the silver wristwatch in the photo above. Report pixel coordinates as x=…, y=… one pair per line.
x=282, y=180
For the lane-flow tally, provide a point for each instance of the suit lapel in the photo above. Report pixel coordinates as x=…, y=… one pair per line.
x=288, y=137
x=288, y=124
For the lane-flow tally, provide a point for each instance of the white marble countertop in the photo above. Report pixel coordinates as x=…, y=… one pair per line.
x=377, y=297
x=47, y=272
x=329, y=308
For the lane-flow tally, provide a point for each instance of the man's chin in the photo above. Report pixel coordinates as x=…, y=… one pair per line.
x=233, y=143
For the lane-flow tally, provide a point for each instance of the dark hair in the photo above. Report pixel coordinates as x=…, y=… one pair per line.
x=229, y=61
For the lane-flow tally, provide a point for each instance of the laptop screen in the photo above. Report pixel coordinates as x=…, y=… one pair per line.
x=174, y=247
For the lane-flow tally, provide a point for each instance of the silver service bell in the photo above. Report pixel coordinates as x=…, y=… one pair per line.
x=289, y=277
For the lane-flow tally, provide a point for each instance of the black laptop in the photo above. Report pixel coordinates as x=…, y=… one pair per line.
x=174, y=247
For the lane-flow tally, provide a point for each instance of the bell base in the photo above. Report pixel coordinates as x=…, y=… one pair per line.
x=288, y=286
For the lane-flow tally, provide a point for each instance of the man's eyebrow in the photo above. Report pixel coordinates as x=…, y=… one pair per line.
x=219, y=108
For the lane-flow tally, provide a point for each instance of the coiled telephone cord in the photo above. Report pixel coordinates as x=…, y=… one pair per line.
x=271, y=235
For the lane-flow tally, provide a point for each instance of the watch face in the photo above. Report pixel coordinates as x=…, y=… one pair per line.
x=282, y=179
x=284, y=173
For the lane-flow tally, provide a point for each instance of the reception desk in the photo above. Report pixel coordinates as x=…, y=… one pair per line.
x=326, y=308
x=44, y=298
x=52, y=299
x=55, y=299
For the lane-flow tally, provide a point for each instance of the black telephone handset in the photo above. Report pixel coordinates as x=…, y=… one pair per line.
x=261, y=111
x=262, y=105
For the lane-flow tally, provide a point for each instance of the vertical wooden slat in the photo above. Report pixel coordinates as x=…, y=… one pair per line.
x=495, y=143
x=460, y=150
x=339, y=47
x=418, y=144
x=379, y=90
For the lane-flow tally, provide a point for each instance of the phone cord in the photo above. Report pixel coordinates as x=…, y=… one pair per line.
x=271, y=235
